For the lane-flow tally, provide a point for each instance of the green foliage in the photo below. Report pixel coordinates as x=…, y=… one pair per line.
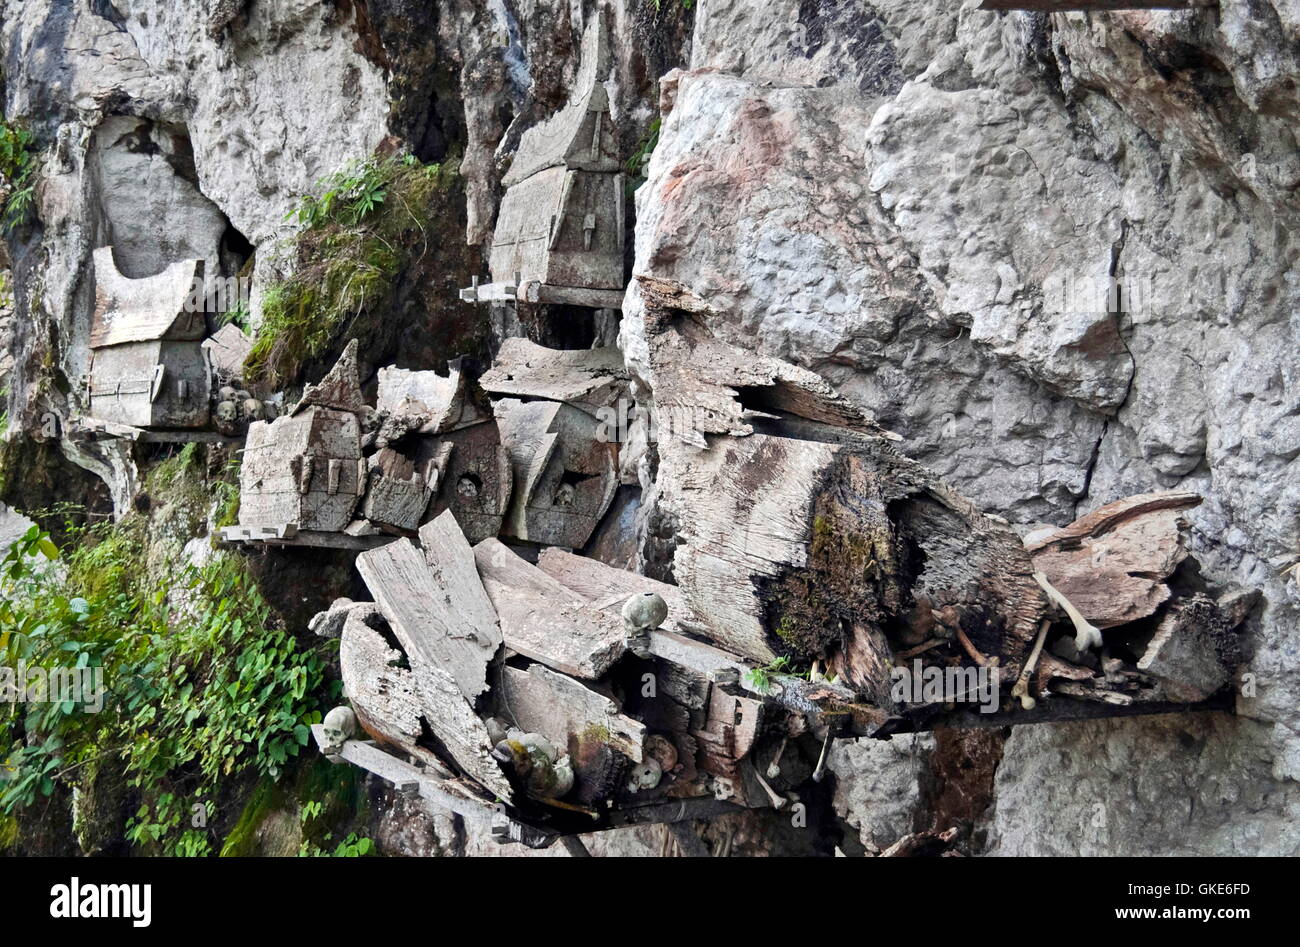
x=760, y=678
x=364, y=225
x=18, y=169
x=636, y=165
x=201, y=683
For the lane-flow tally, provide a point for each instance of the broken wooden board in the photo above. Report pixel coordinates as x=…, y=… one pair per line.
x=397, y=491
x=441, y=794
x=809, y=549
x=140, y=310
x=590, y=379
x=1195, y=650
x=1112, y=565
x=382, y=693
x=425, y=402
x=558, y=707
x=703, y=385
x=434, y=629
x=390, y=701
x=543, y=620
x=609, y=588
x=476, y=483
x=450, y=560
x=565, y=475
x=340, y=389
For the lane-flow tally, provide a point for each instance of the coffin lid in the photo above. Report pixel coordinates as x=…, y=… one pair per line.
x=566, y=138
x=144, y=310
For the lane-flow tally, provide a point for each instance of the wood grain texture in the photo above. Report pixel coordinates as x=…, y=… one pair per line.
x=436, y=631
x=544, y=620
x=1113, y=563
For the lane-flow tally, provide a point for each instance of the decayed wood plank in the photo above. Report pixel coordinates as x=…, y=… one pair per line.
x=558, y=707
x=543, y=620
x=1112, y=563
x=590, y=379
x=451, y=562
x=810, y=548
x=340, y=389
x=382, y=694
x=1194, y=650
x=608, y=588
x=426, y=402
x=426, y=620
x=703, y=385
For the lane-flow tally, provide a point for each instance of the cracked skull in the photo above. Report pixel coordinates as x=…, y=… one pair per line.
x=227, y=412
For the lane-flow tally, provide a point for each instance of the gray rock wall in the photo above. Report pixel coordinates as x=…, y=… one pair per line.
x=915, y=198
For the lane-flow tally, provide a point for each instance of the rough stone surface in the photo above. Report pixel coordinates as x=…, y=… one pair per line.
x=877, y=786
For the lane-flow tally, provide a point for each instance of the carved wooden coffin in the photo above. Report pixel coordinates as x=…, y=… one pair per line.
x=565, y=471
x=148, y=368
x=560, y=225
x=305, y=469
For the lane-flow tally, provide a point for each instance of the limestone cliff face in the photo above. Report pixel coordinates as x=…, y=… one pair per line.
x=914, y=198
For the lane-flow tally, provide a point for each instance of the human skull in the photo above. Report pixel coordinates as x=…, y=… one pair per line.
x=253, y=409
x=645, y=775
x=467, y=488
x=242, y=395
x=340, y=724
x=227, y=412
x=564, y=496
x=643, y=613
x=226, y=393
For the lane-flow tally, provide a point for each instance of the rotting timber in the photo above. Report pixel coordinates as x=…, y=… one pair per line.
x=548, y=693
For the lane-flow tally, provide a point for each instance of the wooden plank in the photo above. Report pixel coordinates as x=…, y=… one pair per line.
x=558, y=707
x=310, y=538
x=534, y=291
x=450, y=560
x=543, y=620
x=1112, y=564
x=587, y=378
x=405, y=776
x=425, y=616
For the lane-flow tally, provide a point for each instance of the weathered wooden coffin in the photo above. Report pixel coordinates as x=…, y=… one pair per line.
x=148, y=368
x=560, y=225
x=475, y=481
x=565, y=473
x=590, y=379
x=305, y=469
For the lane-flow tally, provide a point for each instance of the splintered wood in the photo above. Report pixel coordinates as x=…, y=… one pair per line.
x=1112, y=564
x=436, y=606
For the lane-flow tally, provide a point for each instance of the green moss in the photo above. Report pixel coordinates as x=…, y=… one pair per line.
x=363, y=228
x=8, y=832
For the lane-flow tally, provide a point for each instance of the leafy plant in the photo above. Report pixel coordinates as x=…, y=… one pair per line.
x=362, y=227
x=202, y=684
x=18, y=169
